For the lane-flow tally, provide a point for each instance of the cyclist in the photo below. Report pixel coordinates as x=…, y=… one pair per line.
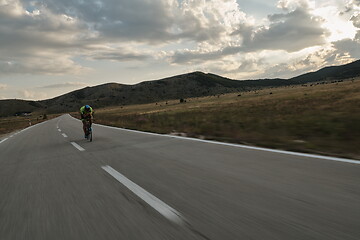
x=86, y=113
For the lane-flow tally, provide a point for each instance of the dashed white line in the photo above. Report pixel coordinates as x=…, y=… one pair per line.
x=57, y=124
x=164, y=209
x=64, y=135
x=59, y=130
x=77, y=146
x=3, y=140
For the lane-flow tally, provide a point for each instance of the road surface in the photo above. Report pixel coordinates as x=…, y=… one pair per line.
x=130, y=185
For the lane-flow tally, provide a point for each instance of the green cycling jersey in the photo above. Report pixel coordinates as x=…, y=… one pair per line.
x=86, y=113
x=83, y=110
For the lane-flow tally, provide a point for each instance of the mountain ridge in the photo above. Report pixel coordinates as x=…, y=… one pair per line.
x=194, y=84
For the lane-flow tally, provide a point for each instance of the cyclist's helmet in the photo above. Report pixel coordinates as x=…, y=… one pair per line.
x=87, y=108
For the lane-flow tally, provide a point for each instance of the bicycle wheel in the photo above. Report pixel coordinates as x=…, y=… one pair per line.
x=90, y=135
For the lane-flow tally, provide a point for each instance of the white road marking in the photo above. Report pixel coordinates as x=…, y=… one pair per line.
x=57, y=124
x=64, y=135
x=59, y=130
x=345, y=160
x=77, y=146
x=164, y=209
x=22, y=130
x=134, y=131
x=35, y=125
x=244, y=146
x=274, y=150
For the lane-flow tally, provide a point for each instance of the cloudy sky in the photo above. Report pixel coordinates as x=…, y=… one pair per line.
x=51, y=47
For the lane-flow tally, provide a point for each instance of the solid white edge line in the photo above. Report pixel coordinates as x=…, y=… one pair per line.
x=274, y=150
x=77, y=146
x=64, y=135
x=345, y=160
x=24, y=129
x=35, y=125
x=243, y=146
x=164, y=209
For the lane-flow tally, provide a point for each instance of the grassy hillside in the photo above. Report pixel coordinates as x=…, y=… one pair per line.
x=11, y=107
x=350, y=70
x=183, y=86
x=323, y=118
x=196, y=84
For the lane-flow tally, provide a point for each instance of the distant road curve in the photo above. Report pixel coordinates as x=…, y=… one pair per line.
x=132, y=185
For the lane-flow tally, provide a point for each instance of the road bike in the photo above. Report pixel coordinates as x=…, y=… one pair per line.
x=88, y=130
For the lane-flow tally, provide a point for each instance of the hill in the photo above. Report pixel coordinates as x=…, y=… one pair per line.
x=350, y=70
x=196, y=84
x=17, y=107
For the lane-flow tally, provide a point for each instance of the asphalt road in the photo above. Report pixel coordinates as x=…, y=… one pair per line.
x=130, y=185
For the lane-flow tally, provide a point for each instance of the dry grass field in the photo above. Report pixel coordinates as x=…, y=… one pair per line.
x=11, y=124
x=317, y=118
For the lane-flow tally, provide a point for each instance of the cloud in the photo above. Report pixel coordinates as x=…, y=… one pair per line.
x=249, y=67
x=153, y=22
x=3, y=86
x=292, y=32
x=291, y=5
x=120, y=54
x=211, y=21
x=295, y=29
x=349, y=47
x=350, y=6
x=337, y=53
x=29, y=94
x=138, y=20
x=356, y=20
x=55, y=37
x=45, y=38
x=66, y=85
x=38, y=29
x=38, y=42
x=194, y=56
x=45, y=64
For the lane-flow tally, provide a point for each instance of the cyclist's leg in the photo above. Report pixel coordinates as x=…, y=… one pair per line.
x=84, y=127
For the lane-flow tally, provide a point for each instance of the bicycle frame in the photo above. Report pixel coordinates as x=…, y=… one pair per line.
x=88, y=130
